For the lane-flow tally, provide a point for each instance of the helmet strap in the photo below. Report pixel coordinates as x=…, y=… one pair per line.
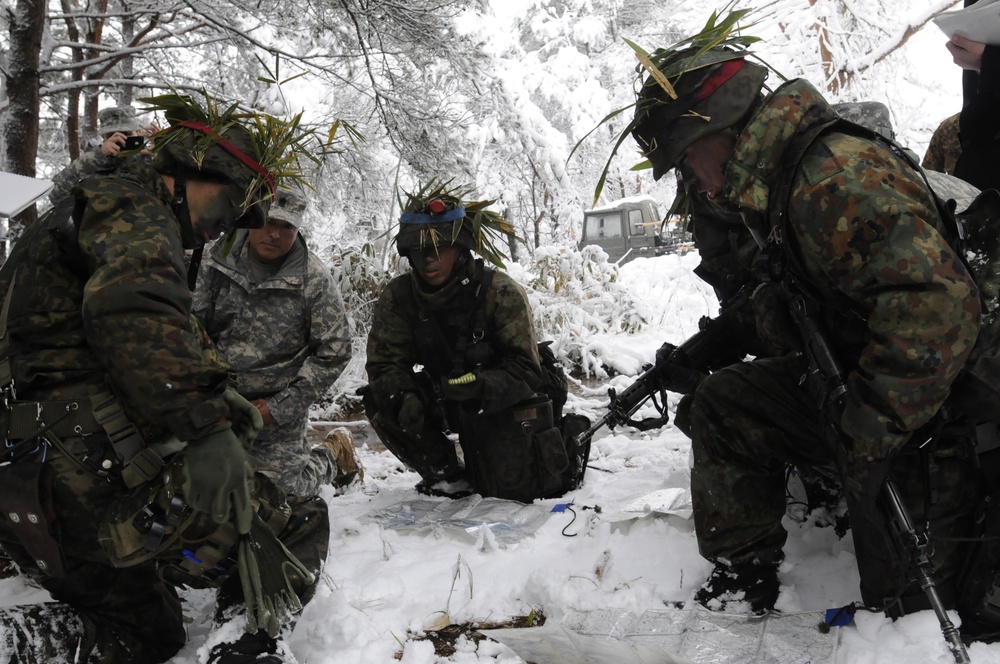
x=179, y=206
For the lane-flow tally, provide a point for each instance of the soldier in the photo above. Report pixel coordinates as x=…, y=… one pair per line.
x=115, y=124
x=271, y=309
x=945, y=147
x=126, y=475
x=851, y=220
x=470, y=328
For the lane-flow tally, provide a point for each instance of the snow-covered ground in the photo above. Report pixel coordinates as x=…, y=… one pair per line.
x=384, y=585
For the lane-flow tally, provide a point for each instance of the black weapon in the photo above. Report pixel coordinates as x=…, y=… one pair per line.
x=709, y=349
x=827, y=379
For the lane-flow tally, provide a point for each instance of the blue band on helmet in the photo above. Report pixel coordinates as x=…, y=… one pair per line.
x=418, y=218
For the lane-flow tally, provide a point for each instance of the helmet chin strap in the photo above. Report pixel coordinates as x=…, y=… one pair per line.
x=179, y=206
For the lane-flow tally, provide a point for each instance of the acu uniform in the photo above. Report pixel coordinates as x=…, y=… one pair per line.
x=286, y=337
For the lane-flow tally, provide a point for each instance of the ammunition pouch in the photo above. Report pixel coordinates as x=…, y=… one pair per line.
x=517, y=454
x=26, y=504
x=577, y=452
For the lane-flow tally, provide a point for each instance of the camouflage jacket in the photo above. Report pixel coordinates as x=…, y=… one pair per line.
x=866, y=234
x=92, y=162
x=286, y=338
x=114, y=308
x=511, y=374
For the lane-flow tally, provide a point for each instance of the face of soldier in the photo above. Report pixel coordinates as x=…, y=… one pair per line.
x=435, y=266
x=703, y=164
x=214, y=208
x=272, y=242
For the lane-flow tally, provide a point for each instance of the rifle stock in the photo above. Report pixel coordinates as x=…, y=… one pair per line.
x=708, y=349
x=825, y=373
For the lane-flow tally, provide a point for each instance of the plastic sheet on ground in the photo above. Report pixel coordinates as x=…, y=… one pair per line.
x=669, y=636
x=675, y=501
x=508, y=520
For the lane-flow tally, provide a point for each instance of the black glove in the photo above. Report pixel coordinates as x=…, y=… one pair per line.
x=675, y=375
x=466, y=387
x=246, y=417
x=411, y=413
x=216, y=469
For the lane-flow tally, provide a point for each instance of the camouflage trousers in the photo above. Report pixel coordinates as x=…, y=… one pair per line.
x=126, y=614
x=295, y=466
x=749, y=420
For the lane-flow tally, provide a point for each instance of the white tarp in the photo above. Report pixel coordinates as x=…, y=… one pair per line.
x=675, y=636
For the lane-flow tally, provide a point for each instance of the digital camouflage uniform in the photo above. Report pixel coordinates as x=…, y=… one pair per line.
x=287, y=339
x=944, y=149
x=901, y=312
x=119, y=318
x=510, y=372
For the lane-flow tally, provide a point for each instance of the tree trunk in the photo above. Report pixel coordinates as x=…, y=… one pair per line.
x=21, y=127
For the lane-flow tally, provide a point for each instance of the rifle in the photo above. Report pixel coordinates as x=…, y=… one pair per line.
x=709, y=349
x=826, y=376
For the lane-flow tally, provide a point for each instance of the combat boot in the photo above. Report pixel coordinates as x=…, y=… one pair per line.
x=341, y=446
x=754, y=584
x=256, y=648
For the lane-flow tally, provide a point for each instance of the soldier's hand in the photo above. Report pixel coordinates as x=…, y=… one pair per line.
x=467, y=387
x=246, y=418
x=216, y=470
x=411, y=413
x=675, y=375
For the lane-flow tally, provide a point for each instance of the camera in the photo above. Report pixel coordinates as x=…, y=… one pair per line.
x=134, y=143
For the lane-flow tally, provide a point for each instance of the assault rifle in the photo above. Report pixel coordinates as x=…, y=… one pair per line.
x=711, y=348
x=826, y=375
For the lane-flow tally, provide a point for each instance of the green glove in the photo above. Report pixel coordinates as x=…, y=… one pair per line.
x=268, y=575
x=411, y=413
x=246, y=418
x=215, y=477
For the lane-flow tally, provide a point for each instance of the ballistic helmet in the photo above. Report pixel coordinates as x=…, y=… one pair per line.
x=250, y=150
x=690, y=94
x=437, y=217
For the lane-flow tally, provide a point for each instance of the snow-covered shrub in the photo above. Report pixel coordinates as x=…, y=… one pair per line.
x=576, y=297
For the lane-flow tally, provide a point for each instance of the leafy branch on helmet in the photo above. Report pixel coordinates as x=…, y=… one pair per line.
x=719, y=40
x=481, y=230
x=278, y=145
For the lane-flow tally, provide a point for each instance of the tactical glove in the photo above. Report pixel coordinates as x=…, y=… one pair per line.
x=411, y=413
x=269, y=574
x=245, y=417
x=215, y=477
x=467, y=387
x=675, y=375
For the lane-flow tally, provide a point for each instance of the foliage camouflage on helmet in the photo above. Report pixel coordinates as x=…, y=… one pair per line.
x=252, y=150
x=678, y=100
x=434, y=216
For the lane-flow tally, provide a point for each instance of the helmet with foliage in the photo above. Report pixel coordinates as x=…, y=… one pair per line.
x=697, y=87
x=435, y=217
x=251, y=150
x=691, y=94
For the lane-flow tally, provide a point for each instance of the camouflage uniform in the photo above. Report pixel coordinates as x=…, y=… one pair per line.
x=902, y=314
x=114, y=314
x=89, y=163
x=944, y=149
x=287, y=339
x=511, y=370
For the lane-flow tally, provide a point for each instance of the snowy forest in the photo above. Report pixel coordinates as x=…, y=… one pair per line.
x=489, y=94
x=506, y=97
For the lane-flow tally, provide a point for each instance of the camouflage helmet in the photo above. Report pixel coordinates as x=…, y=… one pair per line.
x=436, y=217
x=871, y=114
x=693, y=93
x=250, y=150
x=288, y=206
